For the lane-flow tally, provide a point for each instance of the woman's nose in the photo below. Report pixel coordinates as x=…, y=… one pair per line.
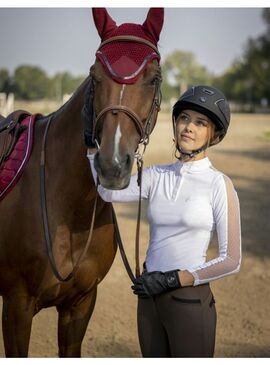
x=188, y=127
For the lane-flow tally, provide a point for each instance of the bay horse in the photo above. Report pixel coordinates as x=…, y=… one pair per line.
x=116, y=106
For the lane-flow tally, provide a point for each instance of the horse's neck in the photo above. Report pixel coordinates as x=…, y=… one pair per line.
x=66, y=152
x=67, y=123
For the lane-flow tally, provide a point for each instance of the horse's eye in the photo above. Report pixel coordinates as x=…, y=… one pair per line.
x=156, y=80
x=96, y=79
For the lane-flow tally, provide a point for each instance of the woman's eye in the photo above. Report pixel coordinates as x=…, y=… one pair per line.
x=183, y=117
x=202, y=123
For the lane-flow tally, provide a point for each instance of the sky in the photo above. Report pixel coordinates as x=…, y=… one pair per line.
x=65, y=39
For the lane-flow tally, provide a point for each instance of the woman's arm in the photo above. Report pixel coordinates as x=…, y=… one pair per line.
x=131, y=193
x=227, y=219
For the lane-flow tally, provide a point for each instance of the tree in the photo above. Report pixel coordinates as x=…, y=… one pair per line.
x=248, y=78
x=31, y=83
x=181, y=70
x=5, y=82
x=64, y=83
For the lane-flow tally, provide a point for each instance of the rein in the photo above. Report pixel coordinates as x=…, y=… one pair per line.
x=45, y=220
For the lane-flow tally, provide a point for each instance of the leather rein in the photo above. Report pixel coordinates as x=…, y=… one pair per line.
x=144, y=130
x=43, y=202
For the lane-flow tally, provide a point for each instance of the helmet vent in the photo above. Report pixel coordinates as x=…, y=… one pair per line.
x=207, y=91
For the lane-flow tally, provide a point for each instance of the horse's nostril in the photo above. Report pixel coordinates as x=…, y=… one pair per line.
x=128, y=160
x=97, y=162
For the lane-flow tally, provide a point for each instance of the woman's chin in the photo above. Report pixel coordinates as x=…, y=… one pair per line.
x=186, y=147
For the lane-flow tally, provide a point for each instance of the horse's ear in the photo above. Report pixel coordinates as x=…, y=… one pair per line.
x=104, y=23
x=154, y=22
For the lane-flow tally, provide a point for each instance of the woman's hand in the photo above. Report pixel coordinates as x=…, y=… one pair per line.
x=186, y=278
x=156, y=282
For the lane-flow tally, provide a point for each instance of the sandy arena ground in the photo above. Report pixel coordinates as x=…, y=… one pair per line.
x=242, y=301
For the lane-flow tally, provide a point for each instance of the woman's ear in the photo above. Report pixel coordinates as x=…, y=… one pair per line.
x=215, y=139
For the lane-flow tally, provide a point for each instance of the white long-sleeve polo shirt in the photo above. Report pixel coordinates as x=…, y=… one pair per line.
x=187, y=202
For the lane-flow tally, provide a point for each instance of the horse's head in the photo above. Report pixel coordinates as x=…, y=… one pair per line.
x=125, y=89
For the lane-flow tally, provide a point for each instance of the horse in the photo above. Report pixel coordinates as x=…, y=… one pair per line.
x=113, y=109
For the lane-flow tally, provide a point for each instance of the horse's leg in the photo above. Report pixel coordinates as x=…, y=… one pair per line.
x=72, y=324
x=17, y=315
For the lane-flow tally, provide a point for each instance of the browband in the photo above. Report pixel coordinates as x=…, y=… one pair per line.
x=129, y=38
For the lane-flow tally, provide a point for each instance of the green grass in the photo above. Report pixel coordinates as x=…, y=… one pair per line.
x=267, y=135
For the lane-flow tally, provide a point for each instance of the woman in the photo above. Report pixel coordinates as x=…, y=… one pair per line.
x=188, y=201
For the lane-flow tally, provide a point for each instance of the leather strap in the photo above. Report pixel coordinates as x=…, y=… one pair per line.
x=137, y=239
x=123, y=109
x=130, y=38
x=144, y=129
x=43, y=202
x=138, y=226
x=121, y=247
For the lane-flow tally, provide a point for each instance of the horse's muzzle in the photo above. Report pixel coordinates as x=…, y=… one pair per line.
x=114, y=173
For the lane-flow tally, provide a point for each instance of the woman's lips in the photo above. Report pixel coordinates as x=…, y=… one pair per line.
x=186, y=136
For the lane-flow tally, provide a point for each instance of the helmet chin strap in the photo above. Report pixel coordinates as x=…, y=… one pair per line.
x=192, y=153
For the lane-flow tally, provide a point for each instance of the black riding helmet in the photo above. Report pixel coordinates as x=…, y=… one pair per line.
x=209, y=101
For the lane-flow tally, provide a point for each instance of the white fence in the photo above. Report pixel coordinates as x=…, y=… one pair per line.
x=6, y=103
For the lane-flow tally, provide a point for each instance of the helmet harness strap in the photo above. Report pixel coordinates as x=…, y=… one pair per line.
x=192, y=153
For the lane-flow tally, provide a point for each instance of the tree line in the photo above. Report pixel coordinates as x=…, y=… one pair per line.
x=246, y=81
x=33, y=83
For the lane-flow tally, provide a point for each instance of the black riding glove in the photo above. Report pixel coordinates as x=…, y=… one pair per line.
x=156, y=282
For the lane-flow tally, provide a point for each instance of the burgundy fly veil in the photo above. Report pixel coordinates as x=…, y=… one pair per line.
x=125, y=59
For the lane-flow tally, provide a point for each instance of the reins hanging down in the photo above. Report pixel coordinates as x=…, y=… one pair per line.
x=137, y=239
x=45, y=220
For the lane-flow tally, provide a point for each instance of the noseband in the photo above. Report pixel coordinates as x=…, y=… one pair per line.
x=144, y=129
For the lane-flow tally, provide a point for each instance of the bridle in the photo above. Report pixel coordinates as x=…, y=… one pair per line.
x=144, y=129
x=91, y=126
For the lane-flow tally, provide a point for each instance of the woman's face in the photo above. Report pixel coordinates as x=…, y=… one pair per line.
x=192, y=130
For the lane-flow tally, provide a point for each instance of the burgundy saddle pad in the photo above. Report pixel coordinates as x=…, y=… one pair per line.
x=12, y=169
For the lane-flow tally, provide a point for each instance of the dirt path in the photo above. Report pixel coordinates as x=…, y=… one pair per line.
x=242, y=300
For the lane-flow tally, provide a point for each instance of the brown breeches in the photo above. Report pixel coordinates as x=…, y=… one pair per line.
x=179, y=323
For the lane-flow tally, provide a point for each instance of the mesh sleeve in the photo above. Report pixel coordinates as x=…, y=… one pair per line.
x=131, y=193
x=227, y=219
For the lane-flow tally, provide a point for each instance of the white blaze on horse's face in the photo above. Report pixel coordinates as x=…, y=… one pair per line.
x=117, y=138
x=121, y=94
x=118, y=133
